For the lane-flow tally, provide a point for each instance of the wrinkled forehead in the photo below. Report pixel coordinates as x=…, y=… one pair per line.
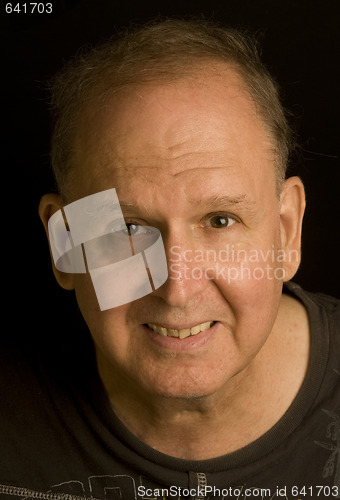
x=168, y=128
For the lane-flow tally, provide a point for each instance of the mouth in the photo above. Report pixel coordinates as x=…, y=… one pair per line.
x=181, y=333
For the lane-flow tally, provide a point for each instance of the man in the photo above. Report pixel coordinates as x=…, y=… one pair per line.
x=219, y=383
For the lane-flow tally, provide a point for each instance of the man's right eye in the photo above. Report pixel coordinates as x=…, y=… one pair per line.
x=126, y=229
x=131, y=229
x=142, y=235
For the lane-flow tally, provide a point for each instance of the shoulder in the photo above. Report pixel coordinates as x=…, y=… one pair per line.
x=323, y=313
x=330, y=305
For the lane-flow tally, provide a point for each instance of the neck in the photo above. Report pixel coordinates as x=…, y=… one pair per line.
x=241, y=411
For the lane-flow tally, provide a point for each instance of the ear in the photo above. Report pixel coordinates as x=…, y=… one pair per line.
x=292, y=209
x=48, y=205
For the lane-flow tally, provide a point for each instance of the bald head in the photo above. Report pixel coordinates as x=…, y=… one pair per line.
x=160, y=54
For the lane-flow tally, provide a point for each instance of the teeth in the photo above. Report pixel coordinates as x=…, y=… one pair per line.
x=170, y=333
x=195, y=329
x=182, y=334
x=205, y=326
x=160, y=330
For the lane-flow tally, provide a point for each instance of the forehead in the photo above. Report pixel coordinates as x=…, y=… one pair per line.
x=202, y=123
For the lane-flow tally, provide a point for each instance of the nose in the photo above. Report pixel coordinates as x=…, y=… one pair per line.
x=188, y=277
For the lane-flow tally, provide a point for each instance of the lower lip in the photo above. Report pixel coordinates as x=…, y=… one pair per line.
x=175, y=344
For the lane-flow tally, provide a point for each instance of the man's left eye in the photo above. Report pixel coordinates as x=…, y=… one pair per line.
x=221, y=221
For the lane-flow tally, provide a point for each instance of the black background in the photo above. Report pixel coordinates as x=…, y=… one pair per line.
x=300, y=45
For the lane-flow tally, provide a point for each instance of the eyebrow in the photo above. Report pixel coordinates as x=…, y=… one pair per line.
x=221, y=200
x=129, y=207
x=208, y=202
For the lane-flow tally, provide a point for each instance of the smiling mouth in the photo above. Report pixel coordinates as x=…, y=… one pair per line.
x=183, y=333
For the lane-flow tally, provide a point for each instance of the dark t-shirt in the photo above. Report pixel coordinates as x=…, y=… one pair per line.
x=58, y=434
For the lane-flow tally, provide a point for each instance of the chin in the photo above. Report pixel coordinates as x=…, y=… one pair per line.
x=185, y=394
x=186, y=387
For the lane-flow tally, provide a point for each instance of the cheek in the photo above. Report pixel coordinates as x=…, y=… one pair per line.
x=251, y=266
x=251, y=284
x=107, y=327
x=86, y=297
x=254, y=294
